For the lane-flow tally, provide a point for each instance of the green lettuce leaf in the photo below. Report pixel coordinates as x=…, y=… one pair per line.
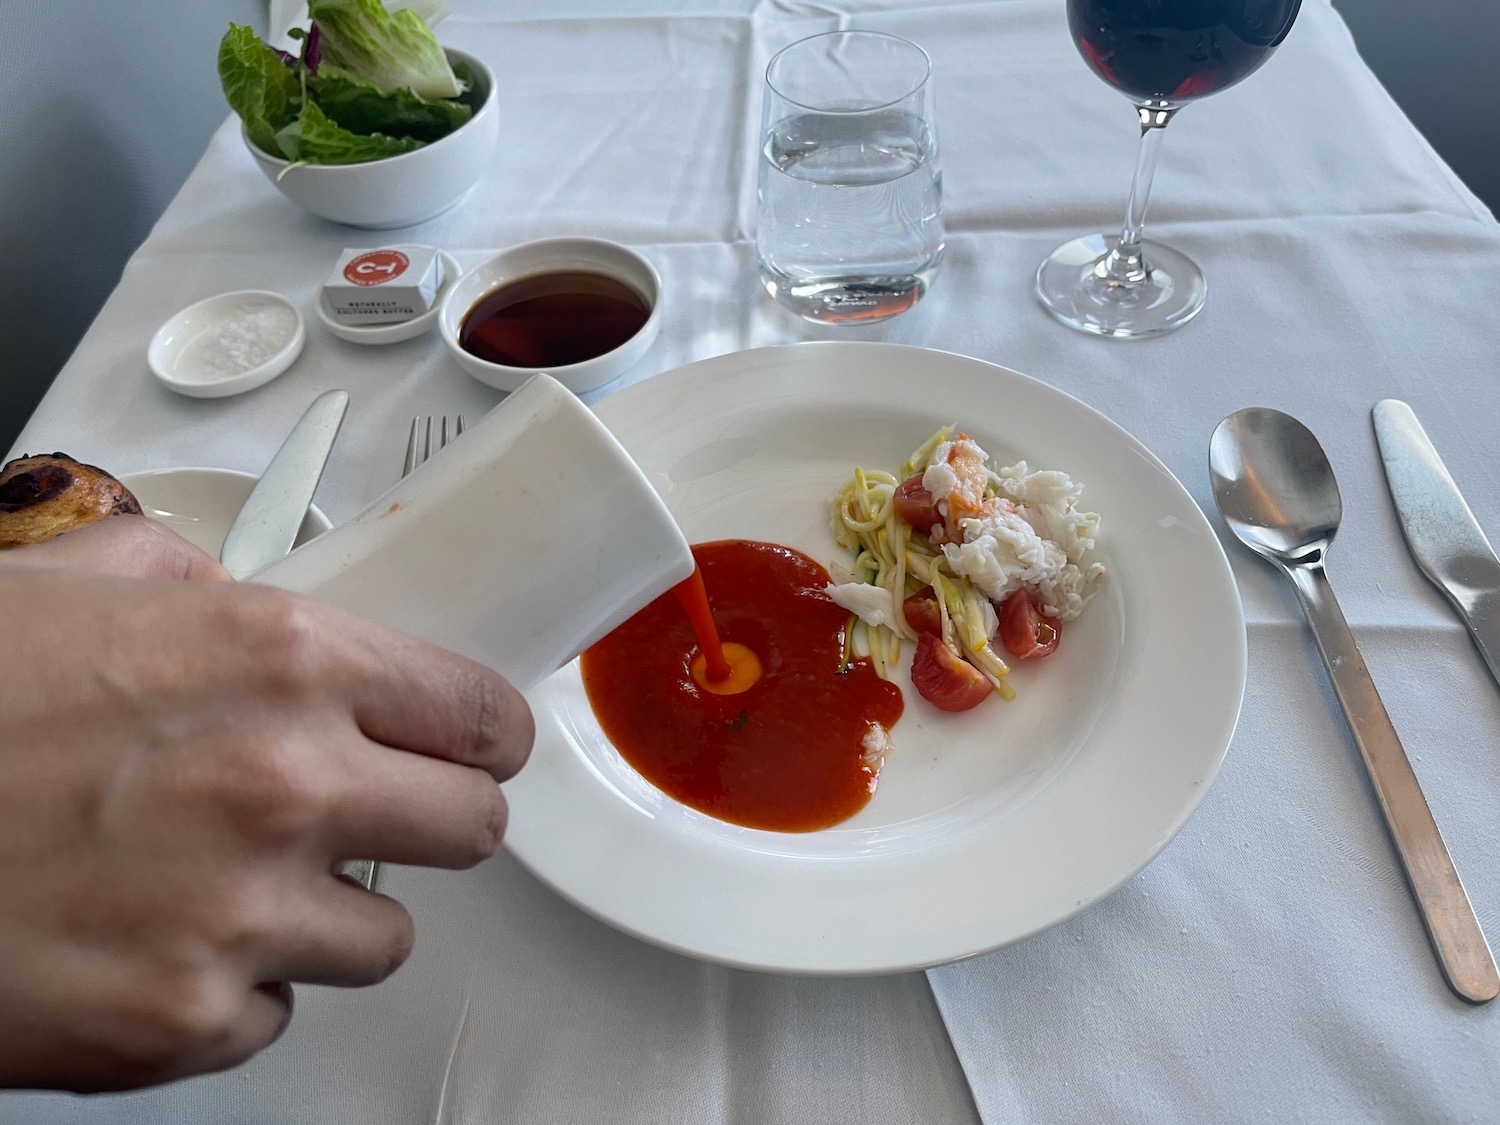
x=258, y=85
x=471, y=95
x=314, y=139
x=392, y=50
x=363, y=107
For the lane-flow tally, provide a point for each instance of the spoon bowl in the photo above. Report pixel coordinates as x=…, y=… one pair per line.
x=1274, y=486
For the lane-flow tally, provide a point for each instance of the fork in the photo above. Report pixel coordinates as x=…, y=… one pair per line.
x=418, y=448
x=422, y=427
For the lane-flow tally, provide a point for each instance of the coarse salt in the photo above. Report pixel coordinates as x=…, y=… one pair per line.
x=246, y=336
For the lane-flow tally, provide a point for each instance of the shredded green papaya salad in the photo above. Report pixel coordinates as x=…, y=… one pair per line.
x=965, y=560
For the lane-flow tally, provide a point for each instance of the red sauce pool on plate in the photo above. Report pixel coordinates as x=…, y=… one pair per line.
x=785, y=754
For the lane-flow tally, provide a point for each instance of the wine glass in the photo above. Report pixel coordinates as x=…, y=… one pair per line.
x=1162, y=54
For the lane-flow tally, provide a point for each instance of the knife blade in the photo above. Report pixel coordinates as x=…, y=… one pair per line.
x=267, y=525
x=1442, y=533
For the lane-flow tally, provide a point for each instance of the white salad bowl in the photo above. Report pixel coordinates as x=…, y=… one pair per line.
x=554, y=255
x=398, y=191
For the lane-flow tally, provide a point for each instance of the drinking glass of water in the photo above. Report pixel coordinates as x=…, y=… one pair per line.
x=849, y=194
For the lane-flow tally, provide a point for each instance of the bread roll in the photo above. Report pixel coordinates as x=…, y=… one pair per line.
x=44, y=495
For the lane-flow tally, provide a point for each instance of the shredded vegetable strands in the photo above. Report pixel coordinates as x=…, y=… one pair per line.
x=918, y=460
x=1006, y=691
x=890, y=554
x=919, y=566
x=943, y=612
x=848, y=653
x=877, y=653
x=895, y=534
x=974, y=634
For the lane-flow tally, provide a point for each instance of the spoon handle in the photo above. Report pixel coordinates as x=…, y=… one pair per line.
x=1451, y=925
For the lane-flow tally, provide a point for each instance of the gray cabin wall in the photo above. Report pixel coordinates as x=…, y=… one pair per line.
x=105, y=107
x=1437, y=59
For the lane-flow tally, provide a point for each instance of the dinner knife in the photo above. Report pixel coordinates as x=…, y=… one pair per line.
x=267, y=525
x=1441, y=531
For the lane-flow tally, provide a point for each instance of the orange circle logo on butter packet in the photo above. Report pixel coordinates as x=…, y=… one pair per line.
x=376, y=267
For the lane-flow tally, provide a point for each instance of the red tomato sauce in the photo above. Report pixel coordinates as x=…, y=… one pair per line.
x=786, y=754
x=693, y=597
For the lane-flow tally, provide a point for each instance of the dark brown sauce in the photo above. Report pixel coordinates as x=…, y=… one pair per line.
x=553, y=319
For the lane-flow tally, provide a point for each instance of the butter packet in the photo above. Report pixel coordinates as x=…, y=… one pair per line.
x=385, y=285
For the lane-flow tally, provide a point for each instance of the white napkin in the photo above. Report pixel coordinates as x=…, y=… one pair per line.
x=1270, y=965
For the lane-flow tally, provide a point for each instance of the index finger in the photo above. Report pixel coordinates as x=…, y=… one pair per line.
x=124, y=546
x=418, y=696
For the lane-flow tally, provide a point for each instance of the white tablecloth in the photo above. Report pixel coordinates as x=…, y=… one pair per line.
x=1269, y=965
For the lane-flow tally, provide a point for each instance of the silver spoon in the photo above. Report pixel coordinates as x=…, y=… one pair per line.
x=1275, y=489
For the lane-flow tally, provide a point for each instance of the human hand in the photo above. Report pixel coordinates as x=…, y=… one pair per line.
x=124, y=546
x=182, y=764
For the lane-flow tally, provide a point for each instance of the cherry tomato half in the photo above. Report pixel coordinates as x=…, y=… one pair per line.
x=944, y=678
x=922, y=613
x=915, y=505
x=1026, y=633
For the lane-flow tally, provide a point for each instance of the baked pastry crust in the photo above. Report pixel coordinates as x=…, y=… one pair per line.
x=44, y=495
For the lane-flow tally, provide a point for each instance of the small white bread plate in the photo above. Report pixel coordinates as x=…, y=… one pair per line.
x=200, y=504
x=987, y=826
x=394, y=333
x=227, y=344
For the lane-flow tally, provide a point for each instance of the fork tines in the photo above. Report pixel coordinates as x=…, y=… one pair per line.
x=419, y=444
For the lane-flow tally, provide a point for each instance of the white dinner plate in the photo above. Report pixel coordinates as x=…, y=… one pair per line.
x=987, y=826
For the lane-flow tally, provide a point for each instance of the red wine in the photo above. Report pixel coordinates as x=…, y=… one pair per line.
x=1175, y=50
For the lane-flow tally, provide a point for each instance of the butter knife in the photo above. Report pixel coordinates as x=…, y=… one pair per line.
x=267, y=525
x=1441, y=531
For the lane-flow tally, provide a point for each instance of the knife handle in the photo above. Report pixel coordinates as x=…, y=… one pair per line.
x=1446, y=911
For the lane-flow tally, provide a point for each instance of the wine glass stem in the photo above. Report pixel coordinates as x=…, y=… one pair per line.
x=1124, y=264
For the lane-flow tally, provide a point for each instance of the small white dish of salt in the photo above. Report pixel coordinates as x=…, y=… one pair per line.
x=228, y=344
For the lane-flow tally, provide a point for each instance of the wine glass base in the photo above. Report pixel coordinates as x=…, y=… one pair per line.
x=1170, y=296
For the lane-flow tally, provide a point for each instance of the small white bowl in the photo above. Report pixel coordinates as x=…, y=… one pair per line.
x=553, y=255
x=398, y=191
x=184, y=357
x=200, y=504
x=394, y=333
